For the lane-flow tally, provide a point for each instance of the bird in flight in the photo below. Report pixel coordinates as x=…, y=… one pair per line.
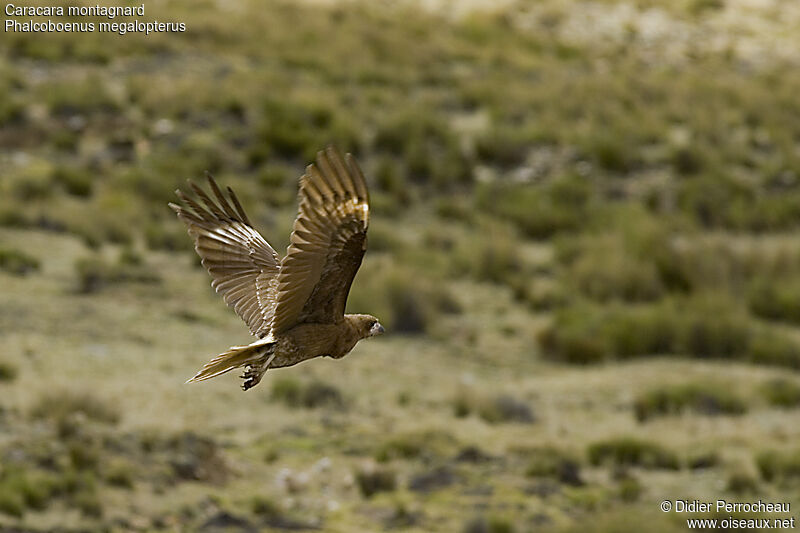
x=295, y=305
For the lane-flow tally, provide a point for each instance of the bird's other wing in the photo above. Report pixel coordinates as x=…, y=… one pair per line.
x=327, y=243
x=243, y=266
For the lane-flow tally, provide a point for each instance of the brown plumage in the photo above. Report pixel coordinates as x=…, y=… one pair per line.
x=295, y=305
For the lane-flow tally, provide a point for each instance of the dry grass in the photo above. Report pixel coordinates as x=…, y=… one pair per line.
x=537, y=174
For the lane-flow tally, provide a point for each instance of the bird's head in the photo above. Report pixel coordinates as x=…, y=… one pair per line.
x=366, y=325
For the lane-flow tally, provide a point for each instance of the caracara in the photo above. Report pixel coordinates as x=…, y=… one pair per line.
x=295, y=305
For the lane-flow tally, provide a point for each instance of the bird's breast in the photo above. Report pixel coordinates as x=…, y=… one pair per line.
x=307, y=341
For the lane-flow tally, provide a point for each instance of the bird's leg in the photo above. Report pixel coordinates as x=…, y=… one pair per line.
x=255, y=371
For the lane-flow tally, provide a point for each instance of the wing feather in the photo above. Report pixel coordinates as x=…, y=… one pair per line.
x=243, y=266
x=326, y=246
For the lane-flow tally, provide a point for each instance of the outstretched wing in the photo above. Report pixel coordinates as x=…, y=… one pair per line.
x=244, y=267
x=327, y=243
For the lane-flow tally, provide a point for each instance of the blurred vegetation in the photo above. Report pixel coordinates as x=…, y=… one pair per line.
x=373, y=478
x=95, y=272
x=426, y=444
x=780, y=466
x=628, y=451
x=782, y=392
x=311, y=394
x=549, y=461
x=492, y=409
x=703, y=398
x=17, y=262
x=541, y=194
x=64, y=407
x=699, y=327
x=8, y=371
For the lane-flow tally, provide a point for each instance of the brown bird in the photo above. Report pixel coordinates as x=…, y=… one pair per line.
x=295, y=306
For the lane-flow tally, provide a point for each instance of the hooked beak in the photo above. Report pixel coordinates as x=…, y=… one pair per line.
x=377, y=329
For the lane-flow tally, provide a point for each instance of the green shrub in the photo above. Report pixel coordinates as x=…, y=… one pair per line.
x=88, y=502
x=384, y=238
x=372, y=479
x=704, y=398
x=540, y=212
x=95, y=273
x=620, y=520
x=506, y=147
x=12, y=110
x=698, y=264
x=298, y=127
x=628, y=451
x=424, y=142
x=492, y=524
x=416, y=444
x=405, y=300
x=399, y=448
x=75, y=181
x=17, y=262
x=120, y=473
x=782, y=467
x=14, y=215
x=25, y=489
x=642, y=332
x=586, y=334
x=574, y=337
x=776, y=300
x=167, y=236
x=32, y=182
x=195, y=457
x=74, y=482
x=699, y=6
x=771, y=346
x=87, y=95
x=265, y=508
x=630, y=489
x=716, y=201
x=618, y=260
x=782, y=392
x=547, y=461
x=703, y=459
x=287, y=390
x=84, y=455
x=130, y=257
x=11, y=501
x=610, y=151
x=67, y=404
x=489, y=254
x=410, y=309
x=309, y=395
x=492, y=408
x=715, y=328
x=505, y=408
x=454, y=208
x=8, y=372
x=542, y=294
x=321, y=394
x=775, y=211
x=36, y=489
x=612, y=273
x=741, y=483
x=724, y=202
x=687, y=160
x=449, y=168
x=276, y=176
x=705, y=327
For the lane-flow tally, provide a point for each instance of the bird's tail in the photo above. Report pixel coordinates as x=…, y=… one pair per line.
x=257, y=356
